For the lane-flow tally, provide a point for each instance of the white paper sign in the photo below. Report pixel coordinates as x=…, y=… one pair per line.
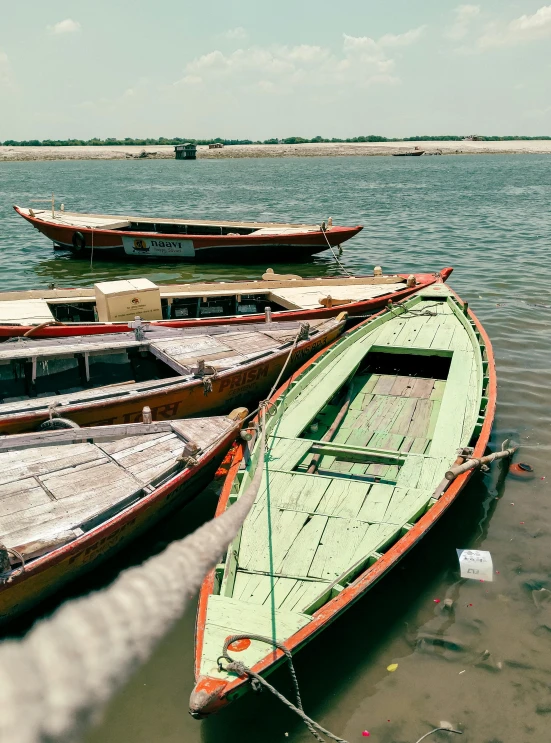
x=476, y=564
x=165, y=248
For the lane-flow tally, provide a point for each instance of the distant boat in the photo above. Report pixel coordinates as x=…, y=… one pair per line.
x=414, y=153
x=183, y=239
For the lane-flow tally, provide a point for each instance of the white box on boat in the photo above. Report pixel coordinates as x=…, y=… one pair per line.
x=117, y=301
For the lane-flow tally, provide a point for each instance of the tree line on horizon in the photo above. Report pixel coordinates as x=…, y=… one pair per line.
x=111, y=141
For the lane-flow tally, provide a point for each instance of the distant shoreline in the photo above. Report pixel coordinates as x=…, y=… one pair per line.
x=329, y=149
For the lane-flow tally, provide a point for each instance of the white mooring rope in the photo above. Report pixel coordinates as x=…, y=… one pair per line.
x=339, y=264
x=56, y=681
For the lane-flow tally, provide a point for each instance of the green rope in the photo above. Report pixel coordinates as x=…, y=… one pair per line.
x=269, y=512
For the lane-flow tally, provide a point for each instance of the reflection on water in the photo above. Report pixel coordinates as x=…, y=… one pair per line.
x=485, y=665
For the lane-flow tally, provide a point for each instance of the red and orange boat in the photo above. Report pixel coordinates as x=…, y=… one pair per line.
x=107, y=379
x=62, y=312
x=369, y=443
x=139, y=238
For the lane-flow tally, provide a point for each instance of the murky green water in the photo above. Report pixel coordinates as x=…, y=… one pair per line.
x=486, y=667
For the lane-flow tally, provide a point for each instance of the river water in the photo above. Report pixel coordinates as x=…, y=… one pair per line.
x=485, y=666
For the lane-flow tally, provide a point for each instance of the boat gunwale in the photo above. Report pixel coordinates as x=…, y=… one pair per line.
x=222, y=692
x=198, y=287
x=301, y=230
x=165, y=220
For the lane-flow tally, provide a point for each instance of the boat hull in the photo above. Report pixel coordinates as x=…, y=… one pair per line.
x=229, y=248
x=211, y=693
x=47, y=575
x=355, y=311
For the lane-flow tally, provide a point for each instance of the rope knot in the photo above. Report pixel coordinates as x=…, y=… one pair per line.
x=232, y=666
x=52, y=409
x=206, y=376
x=304, y=332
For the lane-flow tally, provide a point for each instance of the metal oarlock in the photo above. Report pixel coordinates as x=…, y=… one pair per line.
x=137, y=326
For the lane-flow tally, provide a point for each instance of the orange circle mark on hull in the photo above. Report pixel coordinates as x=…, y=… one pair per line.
x=239, y=645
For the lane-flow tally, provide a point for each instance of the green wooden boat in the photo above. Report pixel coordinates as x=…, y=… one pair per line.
x=359, y=446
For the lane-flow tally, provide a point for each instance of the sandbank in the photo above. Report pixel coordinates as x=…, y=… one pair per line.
x=324, y=149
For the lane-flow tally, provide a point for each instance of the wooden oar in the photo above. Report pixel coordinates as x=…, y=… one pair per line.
x=333, y=429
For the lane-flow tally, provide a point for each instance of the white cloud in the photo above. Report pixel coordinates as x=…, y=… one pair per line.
x=464, y=16
x=6, y=77
x=362, y=61
x=68, y=26
x=409, y=37
x=539, y=116
x=520, y=30
x=537, y=23
x=236, y=34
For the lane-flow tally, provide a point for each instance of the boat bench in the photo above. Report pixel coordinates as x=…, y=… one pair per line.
x=324, y=523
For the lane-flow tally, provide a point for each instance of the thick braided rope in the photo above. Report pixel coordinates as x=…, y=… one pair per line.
x=56, y=681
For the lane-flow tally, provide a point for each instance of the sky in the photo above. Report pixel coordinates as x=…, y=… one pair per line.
x=256, y=69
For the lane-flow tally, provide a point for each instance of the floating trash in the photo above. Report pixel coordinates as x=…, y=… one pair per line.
x=392, y=667
x=522, y=471
x=475, y=564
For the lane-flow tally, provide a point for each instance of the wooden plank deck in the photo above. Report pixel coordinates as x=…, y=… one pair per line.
x=48, y=490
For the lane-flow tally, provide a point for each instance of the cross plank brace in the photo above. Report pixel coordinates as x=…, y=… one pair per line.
x=358, y=454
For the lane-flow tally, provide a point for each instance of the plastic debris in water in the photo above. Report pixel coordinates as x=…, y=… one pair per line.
x=392, y=667
x=366, y=733
x=436, y=601
x=521, y=471
x=475, y=564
